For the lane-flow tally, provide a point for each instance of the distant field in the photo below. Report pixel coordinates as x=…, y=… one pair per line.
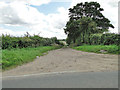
x=14, y=57
x=112, y=49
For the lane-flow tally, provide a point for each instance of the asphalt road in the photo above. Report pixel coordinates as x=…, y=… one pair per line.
x=64, y=80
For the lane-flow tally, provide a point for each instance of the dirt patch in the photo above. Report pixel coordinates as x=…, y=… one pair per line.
x=67, y=60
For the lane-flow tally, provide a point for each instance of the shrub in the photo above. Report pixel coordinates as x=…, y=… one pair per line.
x=9, y=42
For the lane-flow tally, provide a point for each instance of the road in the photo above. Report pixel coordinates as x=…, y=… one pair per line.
x=64, y=80
x=67, y=59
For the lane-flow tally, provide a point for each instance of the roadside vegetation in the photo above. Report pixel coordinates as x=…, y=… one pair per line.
x=14, y=57
x=88, y=29
x=105, y=49
x=9, y=42
x=19, y=50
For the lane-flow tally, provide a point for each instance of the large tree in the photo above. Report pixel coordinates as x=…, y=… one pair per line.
x=81, y=28
x=92, y=10
x=85, y=19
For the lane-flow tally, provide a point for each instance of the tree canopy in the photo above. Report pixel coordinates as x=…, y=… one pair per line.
x=85, y=19
x=92, y=10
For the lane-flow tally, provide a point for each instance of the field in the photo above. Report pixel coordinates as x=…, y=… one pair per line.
x=111, y=49
x=14, y=57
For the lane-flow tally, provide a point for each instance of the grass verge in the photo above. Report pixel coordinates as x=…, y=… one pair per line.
x=106, y=49
x=14, y=57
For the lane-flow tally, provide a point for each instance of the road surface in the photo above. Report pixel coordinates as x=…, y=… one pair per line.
x=64, y=80
x=67, y=60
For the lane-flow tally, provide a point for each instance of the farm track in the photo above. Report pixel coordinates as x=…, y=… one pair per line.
x=67, y=60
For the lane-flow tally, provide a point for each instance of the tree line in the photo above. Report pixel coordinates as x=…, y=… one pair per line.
x=27, y=40
x=98, y=39
x=87, y=25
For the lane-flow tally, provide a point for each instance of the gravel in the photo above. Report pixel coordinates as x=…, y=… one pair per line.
x=67, y=59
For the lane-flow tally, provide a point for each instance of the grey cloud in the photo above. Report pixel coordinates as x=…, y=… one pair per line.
x=113, y=4
x=9, y=16
x=59, y=26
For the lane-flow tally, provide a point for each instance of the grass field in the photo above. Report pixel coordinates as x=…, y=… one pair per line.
x=111, y=49
x=14, y=57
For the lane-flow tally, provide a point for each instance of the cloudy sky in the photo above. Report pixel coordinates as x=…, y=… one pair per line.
x=47, y=17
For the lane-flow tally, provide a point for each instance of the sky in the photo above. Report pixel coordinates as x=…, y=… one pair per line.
x=47, y=17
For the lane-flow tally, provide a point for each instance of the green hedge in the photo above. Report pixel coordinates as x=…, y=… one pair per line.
x=100, y=39
x=9, y=42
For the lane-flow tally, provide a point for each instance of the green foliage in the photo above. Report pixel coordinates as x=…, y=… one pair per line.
x=81, y=28
x=14, y=57
x=19, y=50
x=92, y=10
x=87, y=25
x=9, y=42
x=100, y=39
x=105, y=39
x=113, y=49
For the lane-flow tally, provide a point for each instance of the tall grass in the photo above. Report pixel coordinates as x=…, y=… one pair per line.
x=112, y=49
x=14, y=57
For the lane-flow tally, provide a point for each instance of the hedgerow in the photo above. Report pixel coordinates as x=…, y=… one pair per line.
x=100, y=39
x=9, y=42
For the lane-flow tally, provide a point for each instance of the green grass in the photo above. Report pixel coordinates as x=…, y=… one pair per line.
x=110, y=49
x=14, y=57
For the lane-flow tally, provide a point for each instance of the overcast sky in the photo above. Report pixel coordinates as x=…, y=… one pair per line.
x=47, y=17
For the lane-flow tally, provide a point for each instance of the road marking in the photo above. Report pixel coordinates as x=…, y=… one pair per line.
x=40, y=74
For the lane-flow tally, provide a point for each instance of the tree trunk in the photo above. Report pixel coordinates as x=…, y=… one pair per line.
x=83, y=38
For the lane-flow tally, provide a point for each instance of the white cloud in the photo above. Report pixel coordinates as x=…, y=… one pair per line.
x=20, y=14
x=11, y=32
x=52, y=24
x=8, y=15
x=58, y=20
x=30, y=2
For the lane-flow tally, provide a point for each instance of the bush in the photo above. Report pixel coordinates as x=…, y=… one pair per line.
x=101, y=39
x=9, y=42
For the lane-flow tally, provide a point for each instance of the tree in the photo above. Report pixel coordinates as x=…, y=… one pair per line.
x=92, y=10
x=85, y=19
x=71, y=30
x=81, y=28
